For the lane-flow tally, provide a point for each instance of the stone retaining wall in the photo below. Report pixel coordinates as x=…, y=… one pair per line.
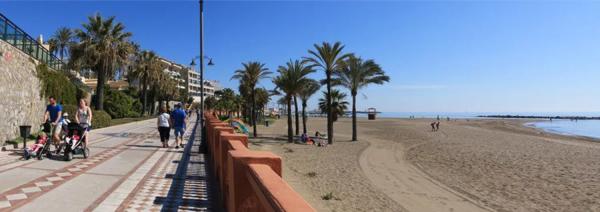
x=21, y=103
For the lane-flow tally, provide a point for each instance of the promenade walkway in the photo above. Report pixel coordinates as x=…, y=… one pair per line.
x=126, y=172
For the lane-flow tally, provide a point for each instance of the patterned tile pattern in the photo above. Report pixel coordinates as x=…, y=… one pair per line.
x=22, y=194
x=178, y=183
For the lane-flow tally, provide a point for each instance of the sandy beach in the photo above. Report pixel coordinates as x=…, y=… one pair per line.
x=476, y=165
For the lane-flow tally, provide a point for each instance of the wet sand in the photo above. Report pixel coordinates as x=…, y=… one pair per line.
x=477, y=165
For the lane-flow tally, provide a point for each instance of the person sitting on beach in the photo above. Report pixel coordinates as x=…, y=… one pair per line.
x=304, y=137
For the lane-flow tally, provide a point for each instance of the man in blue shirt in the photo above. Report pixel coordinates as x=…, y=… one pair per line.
x=178, y=117
x=53, y=115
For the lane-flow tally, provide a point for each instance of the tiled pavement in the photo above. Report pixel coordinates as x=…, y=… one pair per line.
x=163, y=180
x=179, y=182
x=9, y=156
x=21, y=194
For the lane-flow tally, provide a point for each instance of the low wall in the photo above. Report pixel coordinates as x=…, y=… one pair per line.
x=249, y=180
x=19, y=92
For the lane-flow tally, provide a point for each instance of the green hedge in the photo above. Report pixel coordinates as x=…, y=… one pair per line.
x=100, y=119
x=118, y=104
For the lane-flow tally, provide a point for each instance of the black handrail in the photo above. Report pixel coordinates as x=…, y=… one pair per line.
x=52, y=61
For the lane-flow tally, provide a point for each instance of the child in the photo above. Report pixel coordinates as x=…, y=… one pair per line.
x=34, y=148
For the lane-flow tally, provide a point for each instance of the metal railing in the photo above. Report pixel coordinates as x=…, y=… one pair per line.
x=18, y=38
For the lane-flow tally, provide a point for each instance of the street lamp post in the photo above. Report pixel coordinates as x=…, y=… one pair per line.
x=210, y=63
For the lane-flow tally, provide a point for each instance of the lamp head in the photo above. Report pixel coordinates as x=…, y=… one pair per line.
x=193, y=63
x=210, y=62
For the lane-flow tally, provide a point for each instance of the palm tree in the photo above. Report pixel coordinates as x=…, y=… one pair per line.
x=103, y=47
x=328, y=57
x=250, y=75
x=284, y=83
x=165, y=87
x=338, y=104
x=356, y=74
x=61, y=41
x=262, y=99
x=148, y=70
x=311, y=87
x=292, y=77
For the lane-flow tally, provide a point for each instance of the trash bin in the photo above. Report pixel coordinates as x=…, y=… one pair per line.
x=25, y=131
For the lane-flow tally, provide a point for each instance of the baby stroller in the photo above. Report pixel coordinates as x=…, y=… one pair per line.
x=39, y=148
x=42, y=145
x=73, y=142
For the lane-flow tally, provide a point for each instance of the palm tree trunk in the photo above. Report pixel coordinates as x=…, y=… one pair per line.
x=289, y=117
x=253, y=115
x=354, y=117
x=297, y=119
x=152, y=106
x=144, y=96
x=100, y=90
x=304, y=117
x=329, y=110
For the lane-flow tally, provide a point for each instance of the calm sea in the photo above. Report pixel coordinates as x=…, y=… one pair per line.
x=589, y=128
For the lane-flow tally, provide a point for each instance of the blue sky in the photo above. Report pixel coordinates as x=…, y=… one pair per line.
x=441, y=56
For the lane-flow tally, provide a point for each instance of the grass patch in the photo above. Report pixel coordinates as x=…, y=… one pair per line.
x=311, y=174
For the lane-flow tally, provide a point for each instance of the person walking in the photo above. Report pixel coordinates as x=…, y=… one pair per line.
x=437, y=126
x=178, y=118
x=432, y=126
x=84, y=118
x=53, y=115
x=164, y=124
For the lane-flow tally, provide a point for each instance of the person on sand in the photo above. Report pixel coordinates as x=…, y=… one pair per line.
x=164, y=124
x=437, y=126
x=432, y=126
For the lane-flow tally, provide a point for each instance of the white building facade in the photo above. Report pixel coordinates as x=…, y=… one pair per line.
x=189, y=80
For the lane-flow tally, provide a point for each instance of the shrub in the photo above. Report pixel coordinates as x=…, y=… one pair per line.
x=136, y=108
x=58, y=85
x=327, y=196
x=119, y=105
x=100, y=119
x=330, y=196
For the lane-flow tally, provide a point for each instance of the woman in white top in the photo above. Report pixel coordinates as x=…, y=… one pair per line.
x=164, y=126
x=84, y=118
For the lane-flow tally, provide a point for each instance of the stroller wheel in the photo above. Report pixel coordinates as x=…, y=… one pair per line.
x=86, y=152
x=68, y=155
x=40, y=156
